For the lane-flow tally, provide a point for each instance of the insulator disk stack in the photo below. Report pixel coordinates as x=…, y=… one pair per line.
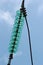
x=16, y=32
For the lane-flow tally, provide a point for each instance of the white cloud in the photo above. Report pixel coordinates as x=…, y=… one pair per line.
x=12, y=5
x=2, y=1
x=40, y=9
x=27, y=2
x=7, y=17
x=4, y=58
x=19, y=53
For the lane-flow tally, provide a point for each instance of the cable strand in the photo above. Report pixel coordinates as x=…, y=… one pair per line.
x=29, y=41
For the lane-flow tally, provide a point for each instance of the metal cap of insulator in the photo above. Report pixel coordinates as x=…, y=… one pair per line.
x=23, y=9
x=11, y=56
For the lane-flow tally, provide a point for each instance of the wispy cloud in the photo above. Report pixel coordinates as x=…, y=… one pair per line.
x=19, y=53
x=40, y=9
x=27, y=2
x=5, y=57
x=7, y=17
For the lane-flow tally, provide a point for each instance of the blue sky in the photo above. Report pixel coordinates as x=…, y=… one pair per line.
x=8, y=10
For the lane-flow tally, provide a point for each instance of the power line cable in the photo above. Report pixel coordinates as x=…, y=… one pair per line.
x=24, y=13
x=29, y=42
